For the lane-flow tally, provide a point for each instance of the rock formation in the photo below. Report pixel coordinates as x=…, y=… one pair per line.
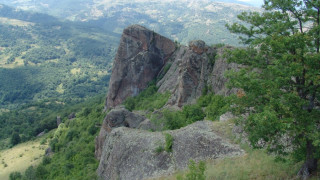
x=125, y=149
x=118, y=117
x=188, y=73
x=140, y=57
x=131, y=154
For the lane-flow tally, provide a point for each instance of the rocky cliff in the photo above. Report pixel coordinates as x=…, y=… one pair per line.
x=124, y=149
x=140, y=57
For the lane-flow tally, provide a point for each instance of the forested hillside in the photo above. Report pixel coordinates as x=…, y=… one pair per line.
x=46, y=65
x=41, y=57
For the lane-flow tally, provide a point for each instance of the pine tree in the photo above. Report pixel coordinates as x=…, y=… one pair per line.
x=280, y=78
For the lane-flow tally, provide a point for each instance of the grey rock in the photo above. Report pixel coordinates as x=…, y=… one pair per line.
x=226, y=117
x=72, y=115
x=187, y=76
x=141, y=55
x=130, y=154
x=118, y=117
x=217, y=78
x=58, y=121
x=48, y=151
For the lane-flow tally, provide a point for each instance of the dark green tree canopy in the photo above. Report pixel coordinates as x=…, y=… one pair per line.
x=281, y=78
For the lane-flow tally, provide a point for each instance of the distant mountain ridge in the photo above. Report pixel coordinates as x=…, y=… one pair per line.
x=180, y=20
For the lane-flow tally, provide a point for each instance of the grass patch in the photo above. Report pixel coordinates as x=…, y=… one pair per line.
x=256, y=164
x=20, y=157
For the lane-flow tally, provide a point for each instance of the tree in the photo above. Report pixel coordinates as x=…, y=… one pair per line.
x=280, y=79
x=15, y=138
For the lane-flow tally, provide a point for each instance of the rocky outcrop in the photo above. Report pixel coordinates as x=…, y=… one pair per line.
x=125, y=149
x=217, y=79
x=194, y=68
x=132, y=154
x=188, y=73
x=140, y=57
x=118, y=117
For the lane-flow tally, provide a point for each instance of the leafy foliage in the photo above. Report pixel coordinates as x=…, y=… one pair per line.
x=169, y=142
x=43, y=58
x=73, y=144
x=280, y=80
x=15, y=139
x=196, y=171
x=148, y=99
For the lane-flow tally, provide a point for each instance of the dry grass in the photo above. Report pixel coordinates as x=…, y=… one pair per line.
x=20, y=157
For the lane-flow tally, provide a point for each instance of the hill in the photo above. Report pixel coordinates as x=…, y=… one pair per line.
x=179, y=20
x=42, y=57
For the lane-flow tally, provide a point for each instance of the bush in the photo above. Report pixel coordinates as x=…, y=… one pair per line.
x=169, y=142
x=30, y=174
x=193, y=113
x=196, y=172
x=148, y=99
x=15, y=138
x=173, y=119
x=15, y=176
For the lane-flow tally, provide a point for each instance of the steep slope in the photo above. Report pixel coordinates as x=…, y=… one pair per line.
x=124, y=148
x=140, y=57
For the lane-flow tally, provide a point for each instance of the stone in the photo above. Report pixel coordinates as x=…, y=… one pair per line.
x=132, y=153
x=48, y=151
x=198, y=46
x=187, y=76
x=72, y=116
x=118, y=117
x=41, y=134
x=58, y=121
x=226, y=117
x=141, y=55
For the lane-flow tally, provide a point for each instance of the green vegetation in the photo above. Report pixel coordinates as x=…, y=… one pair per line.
x=281, y=79
x=43, y=58
x=73, y=146
x=148, y=99
x=169, y=142
x=196, y=171
x=15, y=138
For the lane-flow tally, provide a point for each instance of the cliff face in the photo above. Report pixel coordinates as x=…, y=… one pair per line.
x=140, y=57
x=124, y=149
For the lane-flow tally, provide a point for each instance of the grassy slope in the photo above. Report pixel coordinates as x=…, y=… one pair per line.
x=20, y=157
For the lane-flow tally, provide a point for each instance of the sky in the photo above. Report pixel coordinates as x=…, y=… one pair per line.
x=253, y=2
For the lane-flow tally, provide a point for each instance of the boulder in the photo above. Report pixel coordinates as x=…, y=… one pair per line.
x=117, y=117
x=59, y=121
x=132, y=154
x=72, y=116
x=140, y=57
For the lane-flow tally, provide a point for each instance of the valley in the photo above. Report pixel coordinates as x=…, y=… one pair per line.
x=187, y=90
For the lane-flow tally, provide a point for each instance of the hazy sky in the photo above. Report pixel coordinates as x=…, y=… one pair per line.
x=253, y=2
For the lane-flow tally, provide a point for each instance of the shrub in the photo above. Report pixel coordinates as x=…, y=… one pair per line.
x=192, y=113
x=15, y=139
x=15, y=176
x=196, y=172
x=169, y=142
x=30, y=174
